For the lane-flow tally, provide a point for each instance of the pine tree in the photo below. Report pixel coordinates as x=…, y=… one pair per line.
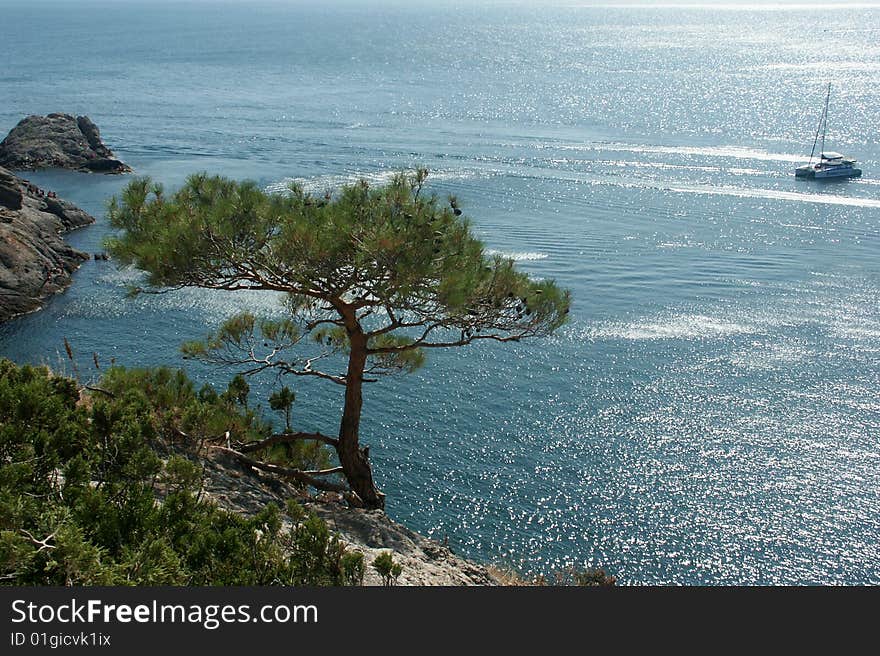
x=373, y=279
x=282, y=401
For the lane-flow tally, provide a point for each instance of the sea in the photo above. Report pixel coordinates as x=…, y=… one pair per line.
x=710, y=414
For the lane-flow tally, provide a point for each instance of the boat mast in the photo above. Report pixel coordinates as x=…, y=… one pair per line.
x=822, y=127
x=825, y=114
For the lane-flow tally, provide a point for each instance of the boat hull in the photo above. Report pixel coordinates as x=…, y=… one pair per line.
x=830, y=174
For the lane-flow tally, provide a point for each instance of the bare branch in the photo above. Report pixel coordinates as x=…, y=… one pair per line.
x=101, y=390
x=42, y=544
x=309, y=327
x=394, y=325
x=324, y=472
x=287, y=438
x=308, y=371
x=339, y=380
x=459, y=342
x=284, y=472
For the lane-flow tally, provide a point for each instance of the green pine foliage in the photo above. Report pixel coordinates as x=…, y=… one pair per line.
x=184, y=411
x=385, y=566
x=86, y=499
x=282, y=402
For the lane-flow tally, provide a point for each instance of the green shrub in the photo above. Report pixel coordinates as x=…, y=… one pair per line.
x=321, y=556
x=86, y=500
x=386, y=567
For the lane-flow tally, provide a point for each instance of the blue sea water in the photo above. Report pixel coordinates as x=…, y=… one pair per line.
x=710, y=415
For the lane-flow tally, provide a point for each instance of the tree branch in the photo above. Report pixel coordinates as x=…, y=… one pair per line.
x=308, y=371
x=458, y=342
x=324, y=472
x=42, y=544
x=283, y=472
x=287, y=438
x=101, y=390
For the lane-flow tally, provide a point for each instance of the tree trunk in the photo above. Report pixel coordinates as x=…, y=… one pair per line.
x=355, y=460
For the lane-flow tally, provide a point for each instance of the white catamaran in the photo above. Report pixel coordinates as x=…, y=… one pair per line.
x=830, y=165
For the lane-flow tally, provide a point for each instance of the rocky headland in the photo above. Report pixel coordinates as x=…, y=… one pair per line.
x=35, y=262
x=58, y=141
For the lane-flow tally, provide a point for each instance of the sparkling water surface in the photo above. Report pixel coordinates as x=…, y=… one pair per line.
x=710, y=414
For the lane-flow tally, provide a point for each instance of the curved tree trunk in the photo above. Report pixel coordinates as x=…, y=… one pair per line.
x=355, y=460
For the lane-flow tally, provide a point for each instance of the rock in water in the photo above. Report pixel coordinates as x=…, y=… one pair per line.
x=58, y=141
x=35, y=262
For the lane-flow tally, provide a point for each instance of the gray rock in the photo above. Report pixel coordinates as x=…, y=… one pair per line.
x=425, y=562
x=35, y=262
x=58, y=141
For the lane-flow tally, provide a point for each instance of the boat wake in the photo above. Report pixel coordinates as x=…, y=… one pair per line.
x=729, y=152
x=775, y=194
x=331, y=182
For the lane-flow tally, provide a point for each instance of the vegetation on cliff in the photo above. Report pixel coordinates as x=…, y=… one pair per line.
x=98, y=489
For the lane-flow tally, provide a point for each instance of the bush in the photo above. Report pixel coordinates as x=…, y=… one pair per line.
x=86, y=500
x=179, y=408
x=321, y=558
x=387, y=568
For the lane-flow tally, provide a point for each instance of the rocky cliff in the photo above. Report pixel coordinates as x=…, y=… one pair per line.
x=35, y=262
x=237, y=487
x=58, y=141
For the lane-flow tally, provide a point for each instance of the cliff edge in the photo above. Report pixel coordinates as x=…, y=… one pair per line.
x=425, y=562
